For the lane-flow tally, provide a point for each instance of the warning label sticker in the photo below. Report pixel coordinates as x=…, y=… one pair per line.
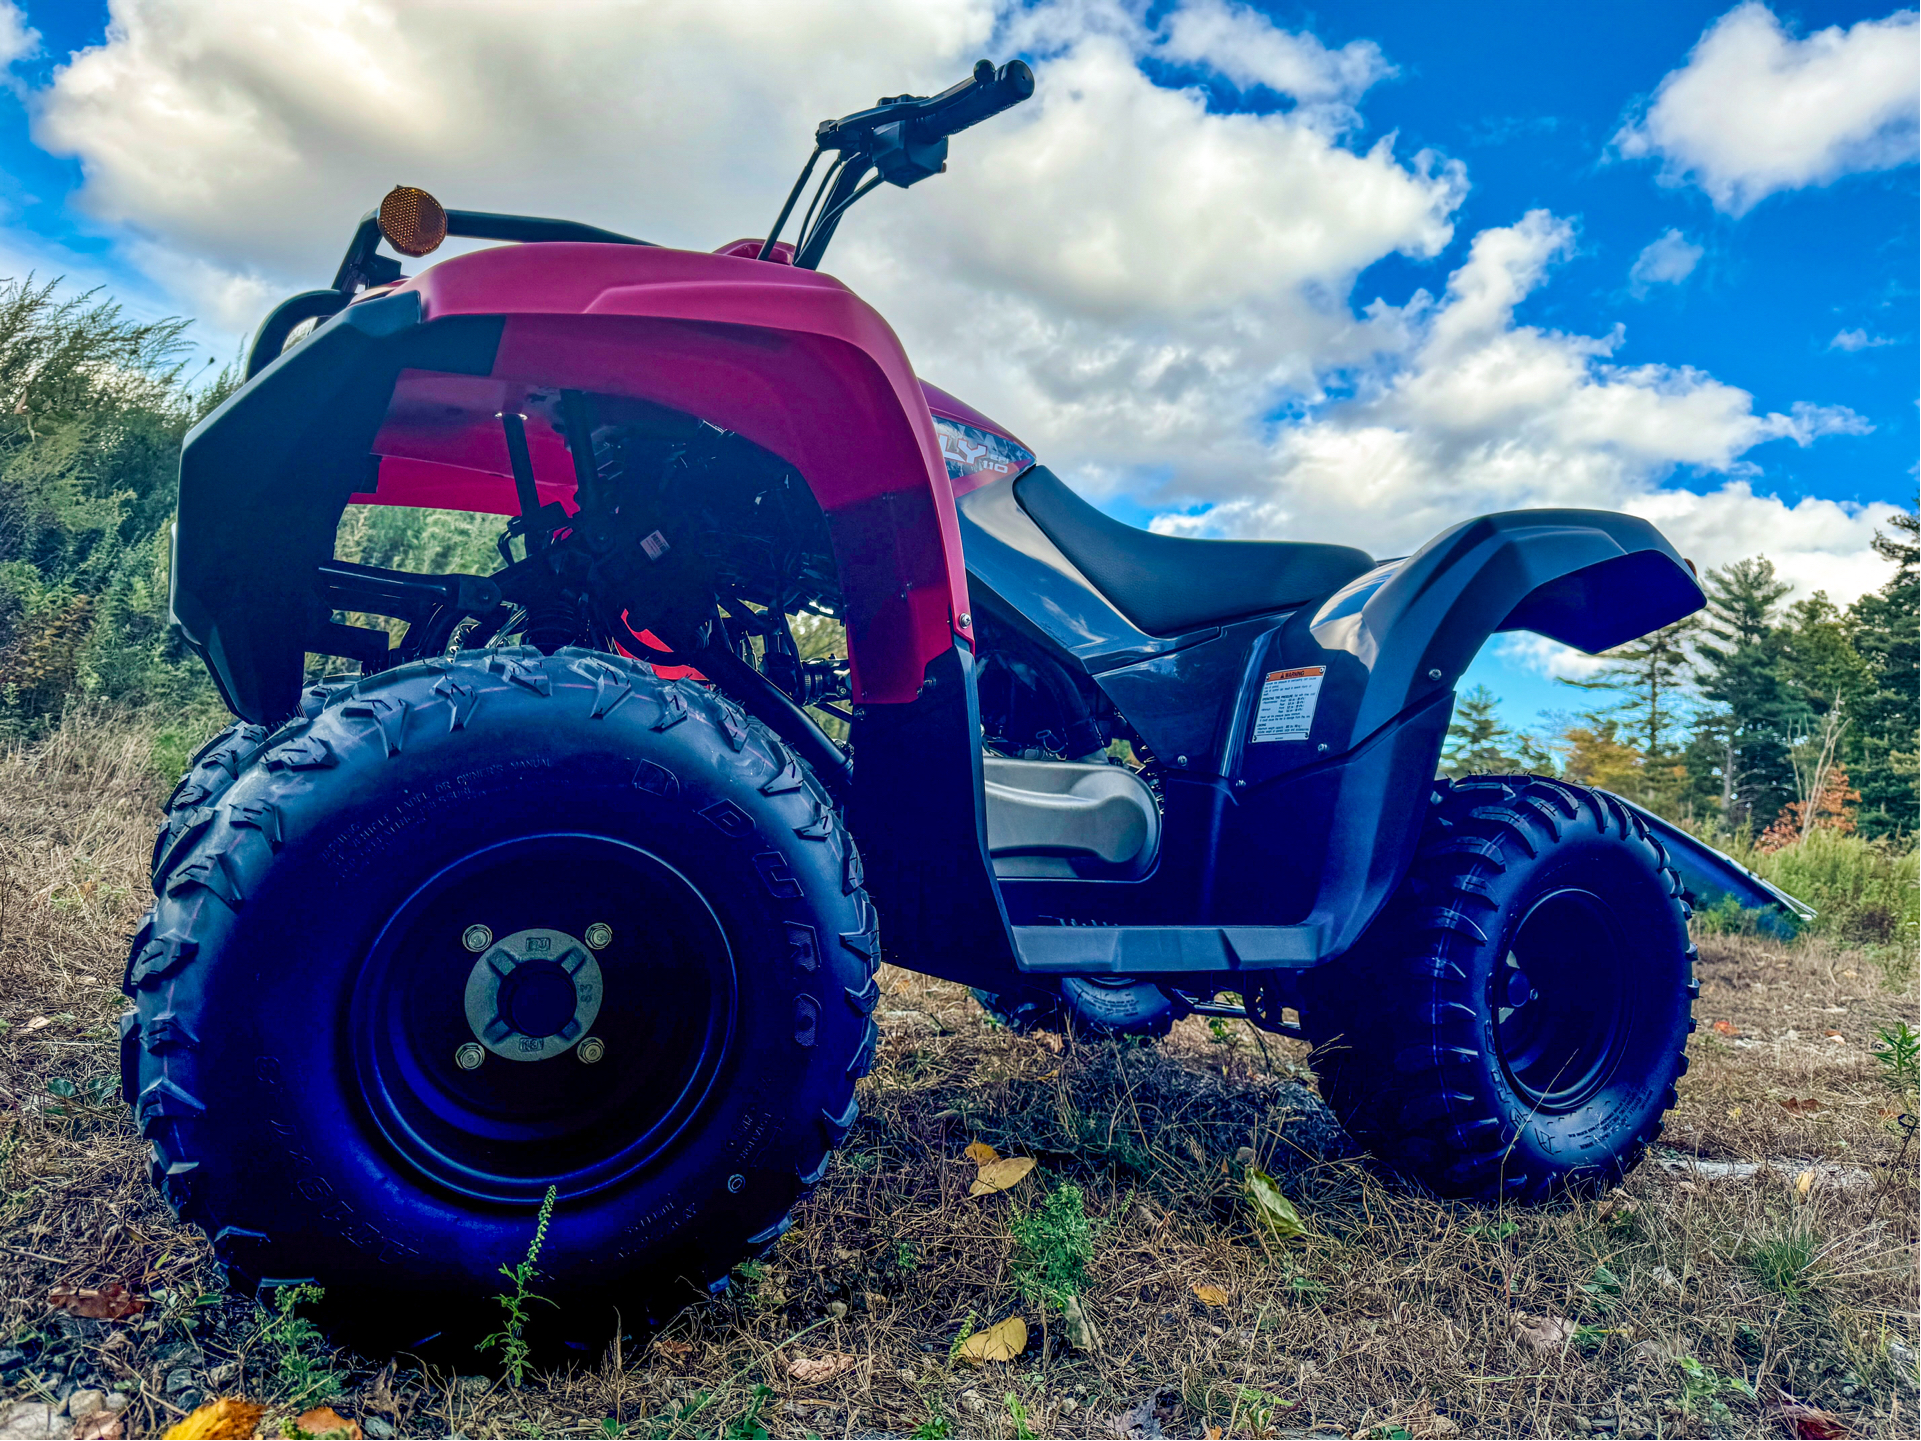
x=1288, y=698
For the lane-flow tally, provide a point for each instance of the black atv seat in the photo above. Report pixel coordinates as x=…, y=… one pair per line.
x=1166, y=584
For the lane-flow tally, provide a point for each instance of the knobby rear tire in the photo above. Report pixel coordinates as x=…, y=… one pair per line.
x=1426, y=1047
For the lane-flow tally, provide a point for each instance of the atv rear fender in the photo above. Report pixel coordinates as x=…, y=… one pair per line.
x=1341, y=808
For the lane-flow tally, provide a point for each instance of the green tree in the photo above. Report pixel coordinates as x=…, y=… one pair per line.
x=1738, y=761
x=1651, y=676
x=1885, y=630
x=1478, y=744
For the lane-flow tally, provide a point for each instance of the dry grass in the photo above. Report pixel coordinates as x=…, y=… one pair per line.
x=1396, y=1316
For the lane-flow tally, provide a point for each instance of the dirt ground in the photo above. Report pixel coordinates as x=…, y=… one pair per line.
x=1765, y=1256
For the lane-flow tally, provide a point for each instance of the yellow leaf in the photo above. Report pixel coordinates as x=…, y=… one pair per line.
x=1000, y=1342
x=1210, y=1295
x=1213, y=1433
x=982, y=1154
x=811, y=1370
x=1001, y=1175
x=1271, y=1208
x=1804, y=1182
x=230, y=1416
x=325, y=1421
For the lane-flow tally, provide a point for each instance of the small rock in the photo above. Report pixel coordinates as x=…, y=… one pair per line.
x=1897, y=1353
x=974, y=1401
x=378, y=1427
x=1664, y=1277
x=1069, y=1406
x=221, y=1377
x=1079, y=1330
x=837, y=1309
x=908, y=1376
x=31, y=1421
x=1581, y=1426
x=12, y=1358
x=178, y=1380
x=116, y=1401
x=1244, y=1156
x=83, y=1404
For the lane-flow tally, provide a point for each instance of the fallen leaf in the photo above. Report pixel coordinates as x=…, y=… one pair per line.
x=38, y=1023
x=1210, y=1295
x=981, y=1154
x=1800, y=1108
x=1002, y=1341
x=111, y=1302
x=1543, y=1333
x=229, y=1417
x=325, y=1421
x=1213, y=1433
x=1813, y=1423
x=1001, y=1175
x=1271, y=1208
x=1836, y=1037
x=1804, y=1182
x=102, y=1425
x=812, y=1370
x=1727, y=1028
x=673, y=1348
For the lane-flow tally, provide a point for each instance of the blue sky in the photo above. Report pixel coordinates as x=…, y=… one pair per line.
x=1699, y=382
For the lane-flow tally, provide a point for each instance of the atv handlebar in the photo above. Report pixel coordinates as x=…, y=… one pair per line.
x=927, y=119
x=903, y=137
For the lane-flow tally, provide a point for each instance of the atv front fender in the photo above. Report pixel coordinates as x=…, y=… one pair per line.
x=396, y=399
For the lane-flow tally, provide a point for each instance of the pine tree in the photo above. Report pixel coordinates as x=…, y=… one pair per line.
x=1478, y=744
x=1885, y=630
x=1739, y=755
x=1651, y=675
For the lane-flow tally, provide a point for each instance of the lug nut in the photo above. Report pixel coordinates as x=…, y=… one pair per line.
x=591, y=1049
x=469, y=1057
x=476, y=939
x=600, y=935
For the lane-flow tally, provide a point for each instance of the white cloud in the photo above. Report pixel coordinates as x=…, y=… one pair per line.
x=1248, y=50
x=1755, y=111
x=18, y=40
x=1547, y=657
x=1136, y=283
x=1478, y=414
x=1860, y=340
x=1667, y=260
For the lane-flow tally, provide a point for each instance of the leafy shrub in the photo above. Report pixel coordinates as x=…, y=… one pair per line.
x=1865, y=891
x=1054, y=1244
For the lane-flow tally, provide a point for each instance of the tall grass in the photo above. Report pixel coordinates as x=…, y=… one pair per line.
x=1866, y=893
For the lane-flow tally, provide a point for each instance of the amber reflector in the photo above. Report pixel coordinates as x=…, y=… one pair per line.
x=412, y=220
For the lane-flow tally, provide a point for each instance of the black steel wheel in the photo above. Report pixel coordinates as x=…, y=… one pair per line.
x=1515, y=1023
x=471, y=930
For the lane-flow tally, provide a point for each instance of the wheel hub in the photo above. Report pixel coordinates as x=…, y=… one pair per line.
x=532, y=995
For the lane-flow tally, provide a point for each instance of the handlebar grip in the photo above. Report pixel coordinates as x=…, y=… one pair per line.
x=985, y=94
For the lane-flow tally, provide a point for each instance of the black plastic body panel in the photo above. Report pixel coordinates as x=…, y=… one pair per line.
x=308, y=421
x=1313, y=826
x=918, y=813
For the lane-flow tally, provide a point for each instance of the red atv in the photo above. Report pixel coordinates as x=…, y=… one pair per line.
x=570, y=888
